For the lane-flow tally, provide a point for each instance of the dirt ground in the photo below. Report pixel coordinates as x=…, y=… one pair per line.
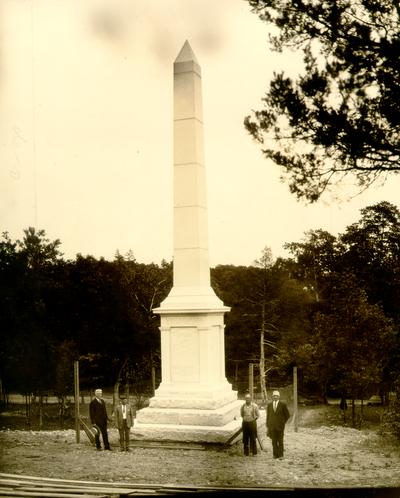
x=316, y=456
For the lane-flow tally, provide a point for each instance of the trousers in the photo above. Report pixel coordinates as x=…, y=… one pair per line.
x=277, y=442
x=124, y=436
x=104, y=434
x=249, y=437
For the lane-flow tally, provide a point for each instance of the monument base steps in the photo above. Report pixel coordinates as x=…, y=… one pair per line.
x=186, y=433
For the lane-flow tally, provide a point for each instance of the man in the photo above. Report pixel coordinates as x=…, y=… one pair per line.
x=277, y=416
x=99, y=418
x=249, y=413
x=123, y=420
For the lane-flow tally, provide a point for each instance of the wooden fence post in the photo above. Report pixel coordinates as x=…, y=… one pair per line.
x=76, y=395
x=153, y=379
x=295, y=408
x=251, y=380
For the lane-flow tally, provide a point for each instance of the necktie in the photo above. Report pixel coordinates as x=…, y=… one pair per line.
x=274, y=406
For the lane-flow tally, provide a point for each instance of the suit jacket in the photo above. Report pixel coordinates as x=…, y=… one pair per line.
x=119, y=421
x=98, y=412
x=277, y=420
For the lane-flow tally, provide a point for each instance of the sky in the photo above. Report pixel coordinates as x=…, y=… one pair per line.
x=86, y=129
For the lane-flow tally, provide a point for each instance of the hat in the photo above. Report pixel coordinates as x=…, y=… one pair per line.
x=275, y=393
x=122, y=396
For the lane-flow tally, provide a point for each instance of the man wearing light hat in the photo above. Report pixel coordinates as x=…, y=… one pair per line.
x=277, y=416
x=99, y=419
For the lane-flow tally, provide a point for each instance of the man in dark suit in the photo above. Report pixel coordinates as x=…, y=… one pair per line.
x=277, y=416
x=99, y=418
x=123, y=414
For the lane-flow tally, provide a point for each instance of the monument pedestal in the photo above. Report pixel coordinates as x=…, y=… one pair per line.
x=194, y=401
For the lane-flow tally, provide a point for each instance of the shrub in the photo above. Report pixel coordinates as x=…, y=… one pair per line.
x=391, y=416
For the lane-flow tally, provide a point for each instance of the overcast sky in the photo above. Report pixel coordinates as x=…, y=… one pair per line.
x=86, y=129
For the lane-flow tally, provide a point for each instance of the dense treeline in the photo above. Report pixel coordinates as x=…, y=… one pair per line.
x=332, y=309
x=55, y=311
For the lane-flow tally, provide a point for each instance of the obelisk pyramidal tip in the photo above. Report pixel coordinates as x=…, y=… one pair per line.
x=186, y=54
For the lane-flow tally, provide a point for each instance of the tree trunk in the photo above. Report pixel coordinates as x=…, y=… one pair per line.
x=362, y=413
x=353, y=413
x=28, y=409
x=118, y=382
x=153, y=373
x=343, y=407
x=324, y=393
x=116, y=392
x=236, y=375
x=40, y=411
x=262, y=357
x=61, y=410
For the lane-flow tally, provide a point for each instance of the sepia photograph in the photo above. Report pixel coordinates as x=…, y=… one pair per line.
x=200, y=248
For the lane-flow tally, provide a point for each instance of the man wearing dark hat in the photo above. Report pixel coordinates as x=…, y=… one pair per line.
x=277, y=416
x=99, y=418
x=123, y=420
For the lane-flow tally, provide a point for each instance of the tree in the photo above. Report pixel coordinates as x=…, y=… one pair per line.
x=145, y=287
x=26, y=268
x=341, y=116
x=316, y=258
x=235, y=286
x=39, y=251
x=371, y=251
x=347, y=346
x=359, y=338
x=391, y=416
x=12, y=274
x=266, y=305
x=264, y=263
x=107, y=322
x=364, y=264
x=65, y=354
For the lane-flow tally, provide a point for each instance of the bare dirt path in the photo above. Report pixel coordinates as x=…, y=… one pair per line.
x=322, y=457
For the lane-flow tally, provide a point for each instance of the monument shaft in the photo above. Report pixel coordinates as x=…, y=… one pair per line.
x=191, y=263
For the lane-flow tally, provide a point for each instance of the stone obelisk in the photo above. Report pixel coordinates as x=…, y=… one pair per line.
x=194, y=401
